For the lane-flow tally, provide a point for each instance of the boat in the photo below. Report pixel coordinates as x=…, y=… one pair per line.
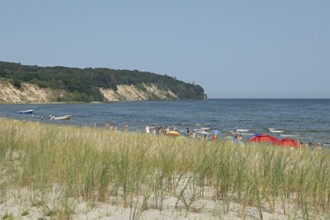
x=288, y=135
x=242, y=130
x=202, y=129
x=247, y=134
x=275, y=130
x=64, y=117
x=29, y=111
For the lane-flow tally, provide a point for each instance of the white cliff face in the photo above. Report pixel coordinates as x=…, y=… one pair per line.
x=30, y=93
x=133, y=93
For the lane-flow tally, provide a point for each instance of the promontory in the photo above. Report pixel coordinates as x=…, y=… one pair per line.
x=34, y=84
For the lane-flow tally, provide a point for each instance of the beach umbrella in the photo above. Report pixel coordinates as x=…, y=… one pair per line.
x=217, y=132
x=173, y=133
x=263, y=138
x=286, y=142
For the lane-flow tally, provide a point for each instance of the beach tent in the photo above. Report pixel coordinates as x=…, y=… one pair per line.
x=263, y=138
x=173, y=133
x=286, y=142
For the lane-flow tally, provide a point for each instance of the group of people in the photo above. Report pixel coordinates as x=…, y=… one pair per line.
x=158, y=130
x=237, y=137
x=163, y=130
x=109, y=126
x=191, y=134
x=309, y=145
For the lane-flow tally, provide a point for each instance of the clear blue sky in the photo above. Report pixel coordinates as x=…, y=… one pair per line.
x=233, y=48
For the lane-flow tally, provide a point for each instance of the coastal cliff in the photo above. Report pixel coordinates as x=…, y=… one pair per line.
x=30, y=93
x=34, y=84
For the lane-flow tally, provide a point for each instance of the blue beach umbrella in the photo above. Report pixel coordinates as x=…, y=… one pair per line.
x=217, y=132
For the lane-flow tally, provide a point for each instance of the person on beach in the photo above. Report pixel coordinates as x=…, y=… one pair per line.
x=126, y=127
x=307, y=145
x=235, y=134
x=214, y=137
x=160, y=130
x=193, y=134
x=239, y=137
x=107, y=125
x=187, y=131
x=147, y=128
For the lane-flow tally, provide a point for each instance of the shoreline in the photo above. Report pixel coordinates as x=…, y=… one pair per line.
x=224, y=134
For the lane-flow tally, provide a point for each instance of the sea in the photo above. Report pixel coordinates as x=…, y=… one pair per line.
x=307, y=120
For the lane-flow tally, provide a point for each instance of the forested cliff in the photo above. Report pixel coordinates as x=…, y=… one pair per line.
x=20, y=83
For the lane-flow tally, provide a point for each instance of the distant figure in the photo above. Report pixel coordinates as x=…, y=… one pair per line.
x=161, y=131
x=204, y=137
x=214, y=137
x=239, y=137
x=126, y=127
x=167, y=129
x=187, y=131
x=193, y=134
x=308, y=145
x=107, y=125
x=147, y=128
x=235, y=134
x=318, y=146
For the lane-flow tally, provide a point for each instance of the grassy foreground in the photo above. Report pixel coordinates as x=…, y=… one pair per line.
x=95, y=165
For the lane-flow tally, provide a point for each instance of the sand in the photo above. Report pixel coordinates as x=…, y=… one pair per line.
x=25, y=204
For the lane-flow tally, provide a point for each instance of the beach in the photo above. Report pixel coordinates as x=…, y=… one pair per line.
x=20, y=206
x=65, y=172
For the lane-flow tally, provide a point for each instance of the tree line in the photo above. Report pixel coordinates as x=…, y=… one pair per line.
x=84, y=83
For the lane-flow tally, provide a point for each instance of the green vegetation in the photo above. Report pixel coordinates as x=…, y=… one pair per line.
x=140, y=170
x=84, y=83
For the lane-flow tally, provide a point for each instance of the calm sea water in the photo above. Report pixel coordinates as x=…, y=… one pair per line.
x=309, y=118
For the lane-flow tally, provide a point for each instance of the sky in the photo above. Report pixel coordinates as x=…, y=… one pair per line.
x=232, y=48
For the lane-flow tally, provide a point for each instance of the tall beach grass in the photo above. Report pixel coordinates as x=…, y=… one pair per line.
x=140, y=171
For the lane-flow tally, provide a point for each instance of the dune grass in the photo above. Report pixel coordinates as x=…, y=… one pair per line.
x=141, y=170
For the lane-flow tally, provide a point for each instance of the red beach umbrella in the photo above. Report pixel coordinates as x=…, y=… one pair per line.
x=263, y=138
x=286, y=142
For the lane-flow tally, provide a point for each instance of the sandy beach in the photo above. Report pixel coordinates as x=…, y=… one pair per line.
x=26, y=205
x=52, y=172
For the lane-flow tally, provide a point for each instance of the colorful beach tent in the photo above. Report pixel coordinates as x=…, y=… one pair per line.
x=263, y=138
x=287, y=142
x=173, y=133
